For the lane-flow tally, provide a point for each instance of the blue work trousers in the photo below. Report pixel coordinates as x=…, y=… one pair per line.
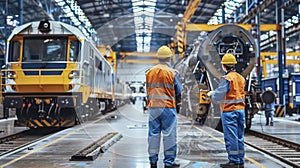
x=233, y=129
x=162, y=120
x=269, y=115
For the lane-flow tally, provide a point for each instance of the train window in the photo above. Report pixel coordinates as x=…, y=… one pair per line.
x=14, y=53
x=99, y=64
x=74, y=50
x=91, y=52
x=55, y=49
x=45, y=49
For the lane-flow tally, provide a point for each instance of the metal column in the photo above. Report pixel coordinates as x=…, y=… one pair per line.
x=5, y=24
x=257, y=37
x=21, y=12
x=223, y=14
x=279, y=50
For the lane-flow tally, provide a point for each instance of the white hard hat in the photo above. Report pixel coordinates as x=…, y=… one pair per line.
x=269, y=88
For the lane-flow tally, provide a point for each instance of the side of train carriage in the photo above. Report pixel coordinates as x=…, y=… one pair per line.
x=56, y=77
x=291, y=92
x=202, y=71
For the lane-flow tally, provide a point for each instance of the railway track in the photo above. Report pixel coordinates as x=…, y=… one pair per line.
x=281, y=149
x=12, y=143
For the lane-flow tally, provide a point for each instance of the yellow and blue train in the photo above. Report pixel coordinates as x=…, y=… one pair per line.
x=54, y=76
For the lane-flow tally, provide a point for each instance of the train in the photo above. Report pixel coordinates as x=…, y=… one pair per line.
x=54, y=76
x=200, y=71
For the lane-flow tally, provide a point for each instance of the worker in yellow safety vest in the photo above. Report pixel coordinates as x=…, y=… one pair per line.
x=163, y=94
x=231, y=96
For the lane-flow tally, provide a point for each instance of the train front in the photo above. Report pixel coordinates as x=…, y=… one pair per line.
x=238, y=41
x=41, y=77
x=202, y=71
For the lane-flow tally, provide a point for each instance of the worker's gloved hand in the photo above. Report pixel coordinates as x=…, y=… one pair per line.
x=209, y=93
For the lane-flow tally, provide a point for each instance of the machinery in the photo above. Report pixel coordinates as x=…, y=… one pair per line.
x=291, y=91
x=201, y=70
x=56, y=77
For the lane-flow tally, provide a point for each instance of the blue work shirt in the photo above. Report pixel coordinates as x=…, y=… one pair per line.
x=177, y=85
x=270, y=107
x=220, y=92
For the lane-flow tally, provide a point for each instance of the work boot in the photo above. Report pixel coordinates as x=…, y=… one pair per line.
x=232, y=165
x=153, y=165
x=174, y=165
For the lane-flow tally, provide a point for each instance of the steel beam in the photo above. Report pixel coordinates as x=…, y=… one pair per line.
x=260, y=7
x=264, y=62
x=139, y=54
x=152, y=61
x=206, y=27
x=264, y=54
x=190, y=10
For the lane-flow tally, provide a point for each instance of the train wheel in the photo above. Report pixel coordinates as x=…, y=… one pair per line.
x=106, y=108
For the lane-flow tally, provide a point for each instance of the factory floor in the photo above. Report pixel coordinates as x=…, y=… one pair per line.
x=198, y=146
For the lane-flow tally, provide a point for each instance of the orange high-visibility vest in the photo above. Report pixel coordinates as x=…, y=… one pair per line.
x=160, y=86
x=235, y=98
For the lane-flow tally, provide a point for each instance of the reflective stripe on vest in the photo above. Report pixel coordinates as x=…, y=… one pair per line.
x=235, y=97
x=161, y=97
x=160, y=86
x=234, y=101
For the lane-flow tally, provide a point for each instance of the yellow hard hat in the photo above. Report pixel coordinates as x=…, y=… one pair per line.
x=164, y=52
x=228, y=59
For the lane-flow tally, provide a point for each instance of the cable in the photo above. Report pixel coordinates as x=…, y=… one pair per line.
x=261, y=125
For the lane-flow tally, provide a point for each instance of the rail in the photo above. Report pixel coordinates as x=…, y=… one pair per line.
x=11, y=144
x=281, y=149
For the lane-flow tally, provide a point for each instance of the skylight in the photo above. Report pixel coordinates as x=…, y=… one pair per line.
x=230, y=7
x=143, y=12
x=73, y=10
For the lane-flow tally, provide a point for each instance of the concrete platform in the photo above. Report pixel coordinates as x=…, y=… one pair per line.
x=284, y=127
x=198, y=146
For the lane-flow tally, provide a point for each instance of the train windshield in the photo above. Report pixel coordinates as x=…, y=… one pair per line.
x=45, y=49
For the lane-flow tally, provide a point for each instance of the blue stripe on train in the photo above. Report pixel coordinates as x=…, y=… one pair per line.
x=41, y=66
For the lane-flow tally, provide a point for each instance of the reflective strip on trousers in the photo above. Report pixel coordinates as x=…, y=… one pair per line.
x=170, y=153
x=233, y=152
x=153, y=151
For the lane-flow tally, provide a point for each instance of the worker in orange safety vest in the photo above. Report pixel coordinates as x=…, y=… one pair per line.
x=163, y=89
x=231, y=96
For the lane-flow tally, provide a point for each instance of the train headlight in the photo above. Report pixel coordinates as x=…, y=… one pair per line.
x=44, y=26
x=11, y=75
x=73, y=74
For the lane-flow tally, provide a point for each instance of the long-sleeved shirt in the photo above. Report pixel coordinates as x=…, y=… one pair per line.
x=220, y=92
